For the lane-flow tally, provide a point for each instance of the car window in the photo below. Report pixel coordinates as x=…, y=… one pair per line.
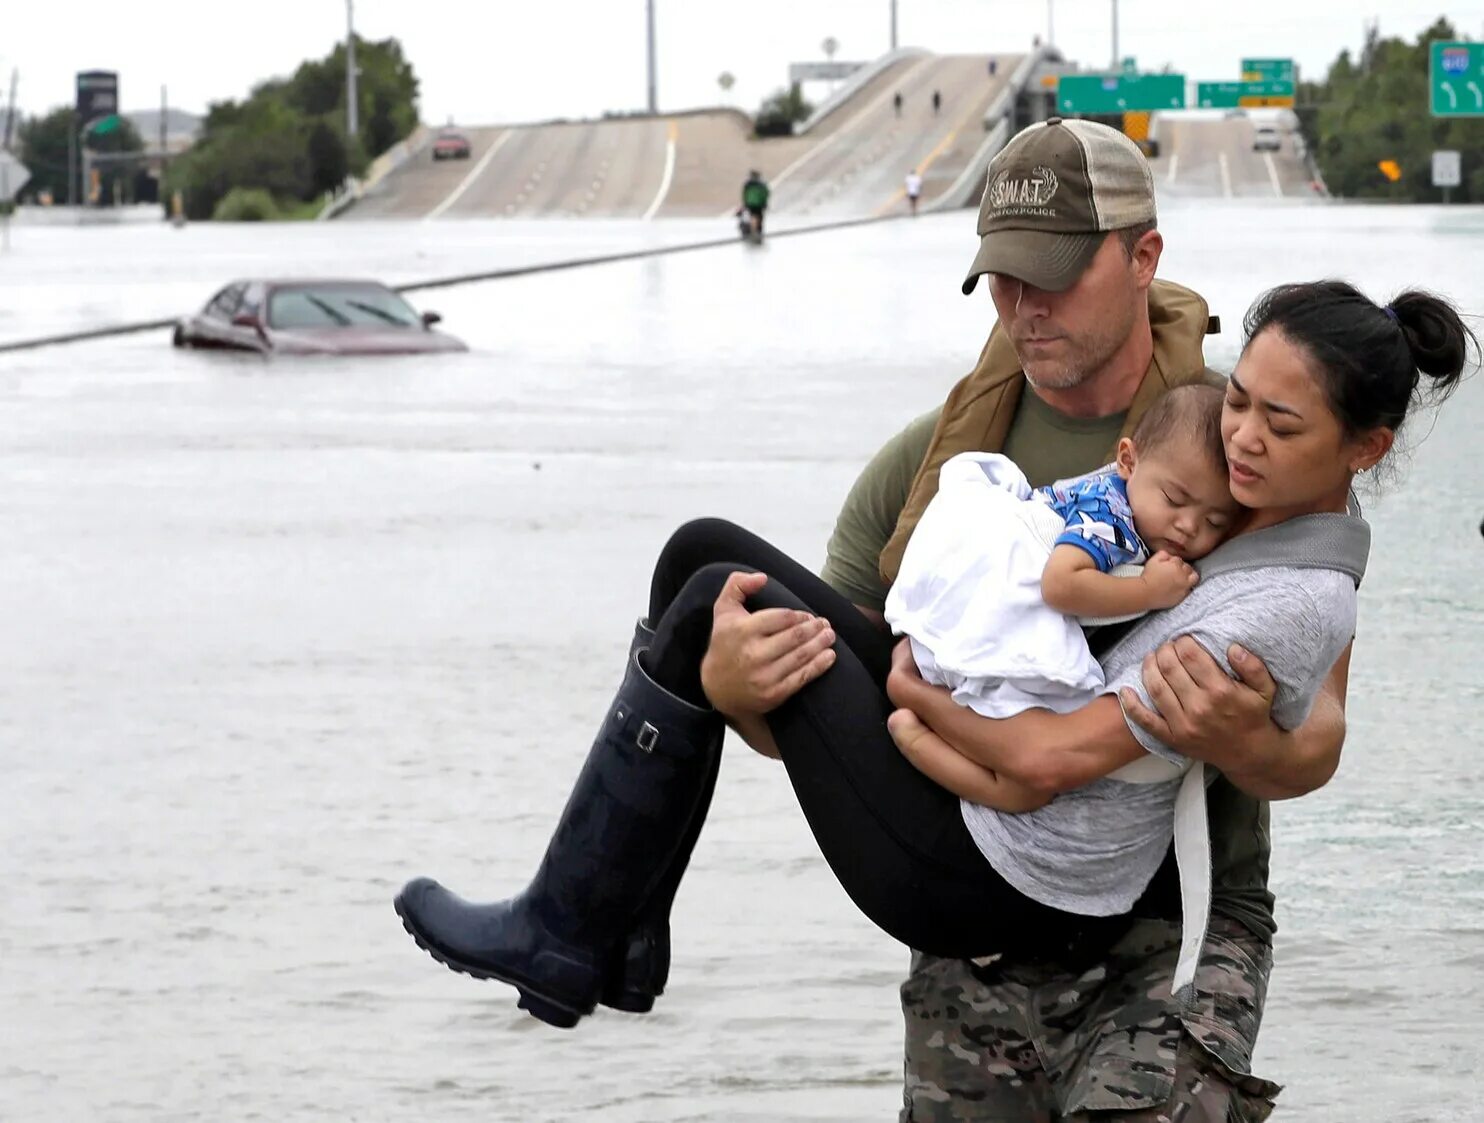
x=339, y=306
x=223, y=305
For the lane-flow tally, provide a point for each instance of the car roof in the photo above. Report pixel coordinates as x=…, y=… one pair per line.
x=315, y=282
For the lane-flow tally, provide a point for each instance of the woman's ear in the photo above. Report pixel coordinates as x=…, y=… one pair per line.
x=1367, y=450
x=1126, y=457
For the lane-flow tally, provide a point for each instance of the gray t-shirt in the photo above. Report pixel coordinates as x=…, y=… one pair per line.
x=1093, y=850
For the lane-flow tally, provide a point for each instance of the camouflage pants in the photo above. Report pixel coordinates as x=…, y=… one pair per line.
x=1046, y=1044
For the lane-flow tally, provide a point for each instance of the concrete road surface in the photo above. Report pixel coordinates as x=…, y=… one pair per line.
x=859, y=168
x=1213, y=157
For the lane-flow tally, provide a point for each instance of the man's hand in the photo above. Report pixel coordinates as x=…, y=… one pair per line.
x=1169, y=579
x=756, y=661
x=1203, y=712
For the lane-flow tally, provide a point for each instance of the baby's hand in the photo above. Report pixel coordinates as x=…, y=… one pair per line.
x=1168, y=579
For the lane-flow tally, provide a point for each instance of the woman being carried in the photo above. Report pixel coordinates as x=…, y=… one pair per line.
x=1324, y=381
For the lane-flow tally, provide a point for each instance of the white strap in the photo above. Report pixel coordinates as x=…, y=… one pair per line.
x=1193, y=856
x=1150, y=769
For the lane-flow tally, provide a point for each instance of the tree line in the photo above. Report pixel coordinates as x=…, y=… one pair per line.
x=1376, y=106
x=283, y=146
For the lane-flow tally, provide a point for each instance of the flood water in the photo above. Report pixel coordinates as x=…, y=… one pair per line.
x=278, y=636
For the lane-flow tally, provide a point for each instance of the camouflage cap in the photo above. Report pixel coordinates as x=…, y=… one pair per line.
x=1052, y=195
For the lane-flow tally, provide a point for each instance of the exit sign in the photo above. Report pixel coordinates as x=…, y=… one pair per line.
x=1456, y=79
x=1119, y=93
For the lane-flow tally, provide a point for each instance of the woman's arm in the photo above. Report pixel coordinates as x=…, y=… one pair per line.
x=1046, y=752
x=1208, y=716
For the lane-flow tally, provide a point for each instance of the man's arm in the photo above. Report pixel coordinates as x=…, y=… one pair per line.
x=1043, y=751
x=1226, y=722
x=945, y=766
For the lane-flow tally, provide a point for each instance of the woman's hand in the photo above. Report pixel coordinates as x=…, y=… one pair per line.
x=1203, y=712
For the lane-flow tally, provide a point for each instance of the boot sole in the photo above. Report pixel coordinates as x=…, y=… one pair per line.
x=549, y=1010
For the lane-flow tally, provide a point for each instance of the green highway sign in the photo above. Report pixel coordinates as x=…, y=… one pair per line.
x=1119, y=93
x=1243, y=95
x=1456, y=78
x=1268, y=70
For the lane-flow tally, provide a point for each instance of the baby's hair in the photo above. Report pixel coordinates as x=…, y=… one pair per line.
x=1192, y=411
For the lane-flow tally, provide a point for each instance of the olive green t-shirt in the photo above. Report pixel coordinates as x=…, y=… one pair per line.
x=1047, y=445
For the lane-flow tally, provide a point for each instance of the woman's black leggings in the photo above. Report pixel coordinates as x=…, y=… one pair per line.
x=894, y=838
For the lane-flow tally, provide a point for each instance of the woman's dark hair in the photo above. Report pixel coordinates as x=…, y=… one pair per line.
x=1370, y=359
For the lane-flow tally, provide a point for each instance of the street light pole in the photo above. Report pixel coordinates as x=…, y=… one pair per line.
x=1050, y=22
x=654, y=107
x=1115, y=35
x=352, y=124
x=893, y=24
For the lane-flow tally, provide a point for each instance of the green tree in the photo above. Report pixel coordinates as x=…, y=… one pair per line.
x=781, y=111
x=288, y=137
x=1375, y=108
x=45, y=144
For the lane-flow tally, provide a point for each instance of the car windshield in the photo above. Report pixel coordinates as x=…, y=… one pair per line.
x=339, y=306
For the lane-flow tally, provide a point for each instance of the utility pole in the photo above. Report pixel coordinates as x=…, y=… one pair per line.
x=654, y=105
x=164, y=150
x=1050, y=22
x=15, y=76
x=893, y=24
x=352, y=124
x=1115, y=37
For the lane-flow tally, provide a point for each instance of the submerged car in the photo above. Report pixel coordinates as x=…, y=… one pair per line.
x=451, y=146
x=330, y=317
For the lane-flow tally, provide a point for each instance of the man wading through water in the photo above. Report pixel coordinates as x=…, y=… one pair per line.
x=1068, y=240
x=1063, y=1028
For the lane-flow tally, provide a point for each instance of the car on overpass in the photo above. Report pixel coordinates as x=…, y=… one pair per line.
x=450, y=145
x=313, y=317
x=1265, y=138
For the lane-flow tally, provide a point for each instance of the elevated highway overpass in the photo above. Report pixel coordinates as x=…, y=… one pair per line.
x=851, y=163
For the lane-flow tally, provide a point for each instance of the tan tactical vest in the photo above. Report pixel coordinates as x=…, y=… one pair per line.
x=977, y=415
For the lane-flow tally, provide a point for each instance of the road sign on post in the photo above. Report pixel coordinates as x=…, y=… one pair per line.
x=1119, y=93
x=97, y=94
x=13, y=176
x=1270, y=94
x=1447, y=170
x=1268, y=70
x=1456, y=78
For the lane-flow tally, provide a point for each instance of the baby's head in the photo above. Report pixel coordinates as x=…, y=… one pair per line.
x=1175, y=469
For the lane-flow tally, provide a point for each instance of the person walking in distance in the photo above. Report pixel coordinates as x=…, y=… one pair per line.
x=913, y=187
x=896, y=102
x=937, y=102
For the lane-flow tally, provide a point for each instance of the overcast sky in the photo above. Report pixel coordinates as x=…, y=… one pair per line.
x=494, y=61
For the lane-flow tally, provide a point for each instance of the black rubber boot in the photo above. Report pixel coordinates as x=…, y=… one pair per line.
x=641, y=964
x=628, y=813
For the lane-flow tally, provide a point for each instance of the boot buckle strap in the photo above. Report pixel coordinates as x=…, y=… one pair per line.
x=648, y=738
